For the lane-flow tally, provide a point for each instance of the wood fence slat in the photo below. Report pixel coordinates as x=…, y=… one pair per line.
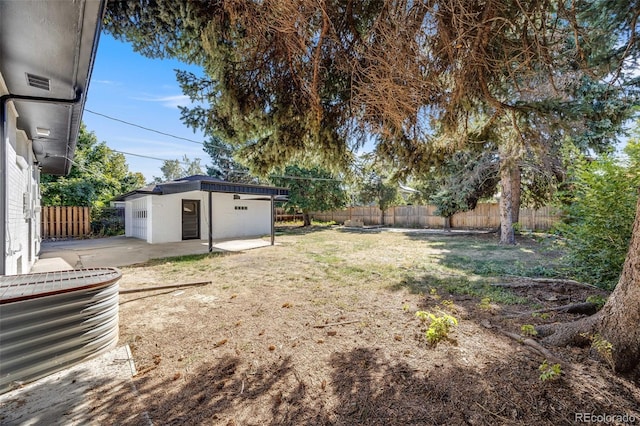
x=87, y=220
x=44, y=218
x=74, y=221
x=57, y=221
x=63, y=221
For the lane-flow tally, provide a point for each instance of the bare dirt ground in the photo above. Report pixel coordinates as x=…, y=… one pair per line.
x=321, y=329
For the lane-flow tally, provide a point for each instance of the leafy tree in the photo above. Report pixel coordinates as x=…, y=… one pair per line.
x=599, y=220
x=310, y=190
x=466, y=178
x=176, y=169
x=98, y=174
x=376, y=184
x=171, y=170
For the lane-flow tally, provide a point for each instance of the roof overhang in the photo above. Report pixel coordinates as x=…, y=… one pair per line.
x=47, y=51
x=257, y=192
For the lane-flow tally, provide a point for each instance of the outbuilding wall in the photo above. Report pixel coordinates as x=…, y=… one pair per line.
x=232, y=218
x=238, y=218
x=137, y=222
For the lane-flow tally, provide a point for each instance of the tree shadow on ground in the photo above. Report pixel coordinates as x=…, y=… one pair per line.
x=459, y=287
x=300, y=230
x=482, y=254
x=186, y=258
x=364, y=387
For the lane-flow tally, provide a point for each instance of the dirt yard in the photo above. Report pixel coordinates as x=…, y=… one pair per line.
x=322, y=330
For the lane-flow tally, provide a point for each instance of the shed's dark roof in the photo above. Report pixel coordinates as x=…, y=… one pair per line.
x=203, y=183
x=200, y=177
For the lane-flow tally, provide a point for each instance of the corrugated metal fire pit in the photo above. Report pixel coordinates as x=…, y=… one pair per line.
x=49, y=321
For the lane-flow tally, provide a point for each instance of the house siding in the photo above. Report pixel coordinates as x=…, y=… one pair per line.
x=23, y=200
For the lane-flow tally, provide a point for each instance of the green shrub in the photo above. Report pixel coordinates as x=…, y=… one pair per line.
x=107, y=221
x=600, y=216
x=439, y=326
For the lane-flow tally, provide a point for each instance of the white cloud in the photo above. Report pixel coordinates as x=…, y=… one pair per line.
x=173, y=101
x=107, y=82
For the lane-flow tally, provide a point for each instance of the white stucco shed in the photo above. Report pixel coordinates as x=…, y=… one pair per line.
x=200, y=207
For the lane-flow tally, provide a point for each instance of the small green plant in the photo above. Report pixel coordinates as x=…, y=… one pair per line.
x=602, y=346
x=597, y=300
x=434, y=293
x=485, y=304
x=450, y=306
x=544, y=315
x=422, y=315
x=517, y=228
x=549, y=372
x=405, y=307
x=439, y=326
x=528, y=330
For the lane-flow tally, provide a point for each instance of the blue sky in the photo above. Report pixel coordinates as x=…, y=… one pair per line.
x=130, y=87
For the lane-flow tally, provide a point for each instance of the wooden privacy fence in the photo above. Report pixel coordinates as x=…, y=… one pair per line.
x=484, y=216
x=62, y=222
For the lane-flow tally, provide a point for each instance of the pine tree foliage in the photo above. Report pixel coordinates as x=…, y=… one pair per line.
x=376, y=183
x=223, y=163
x=467, y=177
x=309, y=81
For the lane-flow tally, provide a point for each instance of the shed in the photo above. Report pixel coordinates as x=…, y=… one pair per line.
x=200, y=207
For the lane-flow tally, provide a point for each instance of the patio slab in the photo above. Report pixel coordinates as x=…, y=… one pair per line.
x=122, y=251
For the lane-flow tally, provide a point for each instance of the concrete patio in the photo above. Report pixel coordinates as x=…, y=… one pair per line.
x=80, y=394
x=123, y=251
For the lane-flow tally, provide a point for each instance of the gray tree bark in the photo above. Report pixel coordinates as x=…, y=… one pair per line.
x=507, y=235
x=516, y=193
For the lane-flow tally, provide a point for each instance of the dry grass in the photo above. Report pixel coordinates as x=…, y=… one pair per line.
x=321, y=329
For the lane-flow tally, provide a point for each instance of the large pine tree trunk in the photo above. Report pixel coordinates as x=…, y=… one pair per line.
x=618, y=321
x=516, y=193
x=507, y=235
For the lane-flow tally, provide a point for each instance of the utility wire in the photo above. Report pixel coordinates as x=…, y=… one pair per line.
x=191, y=141
x=144, y=156
x=230, y=170
x=145, y=128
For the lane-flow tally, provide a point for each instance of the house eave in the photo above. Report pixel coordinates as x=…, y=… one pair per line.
x=48, y=49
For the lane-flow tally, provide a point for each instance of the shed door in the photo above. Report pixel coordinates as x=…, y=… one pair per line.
x=190, y=219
